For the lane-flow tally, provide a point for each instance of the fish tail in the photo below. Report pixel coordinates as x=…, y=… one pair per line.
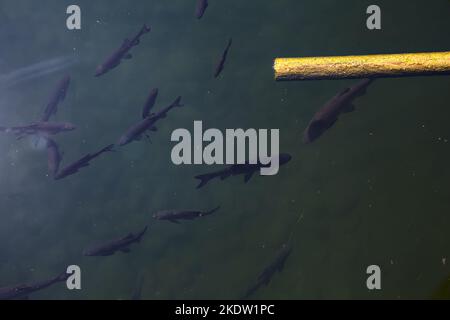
x=230, y=42
x=177, y=102
x=204, y=179
x=365, y=83
x=139, y=237
x=250, y=291
x=146, y=28
x=49, y=142
x=211, y=211
x=63, y=276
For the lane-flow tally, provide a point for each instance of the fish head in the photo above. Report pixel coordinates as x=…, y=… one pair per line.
x=101, y=69
x=314, y=130
x=88, y=252
x=156, y=215
x=161, y=215
x=123, y=141
x=285, y=158
x=94, y=251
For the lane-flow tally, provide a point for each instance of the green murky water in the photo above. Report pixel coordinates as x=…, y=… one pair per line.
x=372, y=190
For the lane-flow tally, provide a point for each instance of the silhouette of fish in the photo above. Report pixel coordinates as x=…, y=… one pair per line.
x=201, y=8
x=137, y=293
x=58, y=96
x=326, y=117
x=121, y=53
x=135, y=132
x=238, y=169
x=221, y=64
x=174, y=216
x=81, y=163
x=267, y=274
x=149, y=103
x=23, y=291
x=111, y=247
x=53, y=157
x=39, y=128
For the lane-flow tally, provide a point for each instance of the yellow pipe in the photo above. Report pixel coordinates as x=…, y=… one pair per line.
x=367, y=66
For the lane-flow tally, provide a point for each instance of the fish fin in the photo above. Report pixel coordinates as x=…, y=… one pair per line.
x=128, y=56
x=204, y=179
x=346, y=90
x=129, y=236
x=248, y=176
x=348, y=108
x=174, y=221
x=109, y=148
x=331, y=123
x=125, y=250
x=115, y=64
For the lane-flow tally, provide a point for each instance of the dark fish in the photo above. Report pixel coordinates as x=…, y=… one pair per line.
x=22, y=291
x=326, y=117
x=53, y=157
x=174, y=216
x=221, y=63
x=237, y=169
x=201, y=8
x=58, y=96
x=111, y=247
x=266, y=275
x=149, y=103
x=136, y=131
x=121, y=53
x=81, y=163
x=137, y=293
x=39, y=128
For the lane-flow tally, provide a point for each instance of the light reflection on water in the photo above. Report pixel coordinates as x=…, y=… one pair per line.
x=374, y=189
